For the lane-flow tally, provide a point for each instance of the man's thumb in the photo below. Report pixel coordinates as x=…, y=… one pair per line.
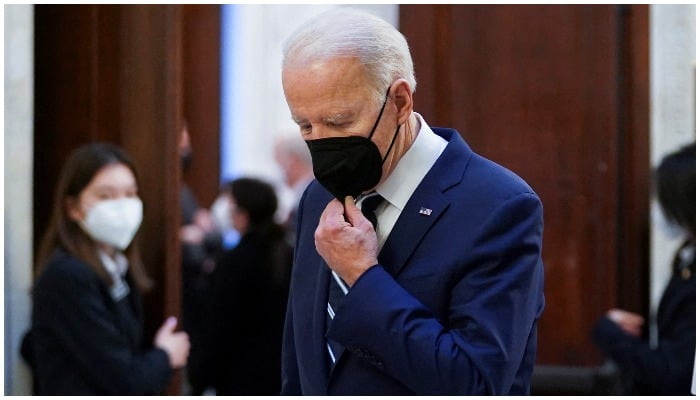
x=352, y=213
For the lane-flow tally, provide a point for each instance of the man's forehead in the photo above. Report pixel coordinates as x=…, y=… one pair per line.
x=332, y=108
x=331, y=72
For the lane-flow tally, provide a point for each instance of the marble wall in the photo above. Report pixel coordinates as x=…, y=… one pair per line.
x=18, y=150
x=672, y=112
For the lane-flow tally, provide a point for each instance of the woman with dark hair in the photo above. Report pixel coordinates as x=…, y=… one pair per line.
x=87, y=328
x=667, y=368
x=250, y=286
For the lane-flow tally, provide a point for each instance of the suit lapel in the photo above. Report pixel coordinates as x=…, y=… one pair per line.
x=410, y=228
x=426, y=205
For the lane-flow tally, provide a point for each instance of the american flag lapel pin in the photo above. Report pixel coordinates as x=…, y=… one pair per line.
x=425, y=211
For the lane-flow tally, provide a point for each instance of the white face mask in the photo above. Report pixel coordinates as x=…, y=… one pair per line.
x=114, y=222
x=221, y=213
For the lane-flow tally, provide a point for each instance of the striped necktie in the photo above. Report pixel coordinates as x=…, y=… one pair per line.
x=337, y=287
x=336, y=291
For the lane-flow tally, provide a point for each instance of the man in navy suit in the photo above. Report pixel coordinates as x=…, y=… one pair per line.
x=443, y=296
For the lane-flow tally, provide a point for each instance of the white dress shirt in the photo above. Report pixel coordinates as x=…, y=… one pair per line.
x=405, y=178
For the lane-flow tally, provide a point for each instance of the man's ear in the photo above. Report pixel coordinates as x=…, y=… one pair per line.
x=402, y=97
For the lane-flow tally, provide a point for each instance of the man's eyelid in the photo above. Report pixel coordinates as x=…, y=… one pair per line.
x=338, y=122
x=303, y=124
x=305, y=129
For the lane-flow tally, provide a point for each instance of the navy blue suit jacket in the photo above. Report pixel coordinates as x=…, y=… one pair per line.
x=452, y=306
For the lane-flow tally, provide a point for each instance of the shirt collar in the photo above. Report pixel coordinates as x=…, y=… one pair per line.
x=413, y=166
x=116, y=266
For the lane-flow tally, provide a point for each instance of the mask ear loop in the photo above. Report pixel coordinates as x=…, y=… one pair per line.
x=396, y=134
x=386, y=97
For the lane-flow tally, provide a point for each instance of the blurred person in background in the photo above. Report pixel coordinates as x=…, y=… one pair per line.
x=248, y=297
x=220, y=211
x=87, y=327
x=667, y=368
x=199, y=233
x=201, y=244
x=293, y=157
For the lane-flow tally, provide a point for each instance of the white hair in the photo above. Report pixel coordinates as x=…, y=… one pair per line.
x=348, y=32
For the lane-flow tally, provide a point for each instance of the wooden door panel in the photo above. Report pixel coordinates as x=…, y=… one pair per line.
x=201, y=97
x=537, y=89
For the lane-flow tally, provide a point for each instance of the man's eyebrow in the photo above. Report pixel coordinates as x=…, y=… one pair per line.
x=338, y=117
x=298, y=120
x=335, y=118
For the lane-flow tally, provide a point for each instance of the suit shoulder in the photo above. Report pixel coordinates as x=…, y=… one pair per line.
x=479, y=173
x=496, y=178
x=315, y=197
x=315, y=191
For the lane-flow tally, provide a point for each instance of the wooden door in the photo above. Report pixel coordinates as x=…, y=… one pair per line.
x=201, y=97
x=559, y=94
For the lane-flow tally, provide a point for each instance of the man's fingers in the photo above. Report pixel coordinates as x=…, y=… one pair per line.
x=353, y=214
x=333, y=212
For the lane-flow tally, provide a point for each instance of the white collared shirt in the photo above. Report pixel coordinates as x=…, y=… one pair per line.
x=116, y=267
x=398, y=188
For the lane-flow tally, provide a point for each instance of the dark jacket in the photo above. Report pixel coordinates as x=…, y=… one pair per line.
x=666, y=369
x=249, y=289
x=452, y=306
x=82, y=342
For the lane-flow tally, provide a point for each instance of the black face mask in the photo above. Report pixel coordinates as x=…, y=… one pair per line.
x=348, y=166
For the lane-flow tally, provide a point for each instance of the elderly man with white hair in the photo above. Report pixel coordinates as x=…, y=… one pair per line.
x=418, y=264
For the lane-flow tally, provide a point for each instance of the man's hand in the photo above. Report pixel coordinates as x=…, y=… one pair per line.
x=349, y=246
